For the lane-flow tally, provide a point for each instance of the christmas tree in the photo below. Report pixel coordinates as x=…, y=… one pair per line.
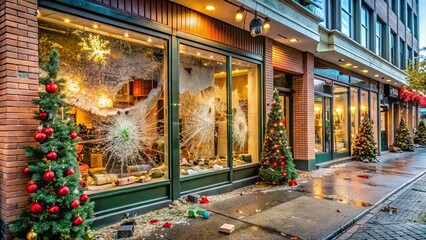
x=57, y=207
x=364, y=145
x=420, y=137
x=276, y=159
x=403, y=137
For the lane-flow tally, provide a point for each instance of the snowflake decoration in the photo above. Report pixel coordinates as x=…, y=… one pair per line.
x=96, y=47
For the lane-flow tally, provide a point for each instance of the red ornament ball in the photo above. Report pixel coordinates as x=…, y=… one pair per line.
x=282, y=164
x=64, y=190
x=49, y=131
x=275, y=164
x=43, y=115
x=77, y=221
x=52, y=155
x=52, y=87
x=292, y=183
x=70, y=172
x=54, y=209
x=283, y=121
x=285, y=174
x=75, y=203
x=73, y=135
x=32, y=187
x=48, y=175
x=26, y=170
x=36, y=208
x=84, y=198
x=40, y=136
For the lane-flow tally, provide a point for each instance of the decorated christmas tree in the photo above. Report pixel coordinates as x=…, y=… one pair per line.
x=364, y=145
x=420, y=137
x=57, y=207
x=403, y=137
x=276, y=159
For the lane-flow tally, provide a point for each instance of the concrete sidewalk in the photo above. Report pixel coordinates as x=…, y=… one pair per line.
x=326, y=203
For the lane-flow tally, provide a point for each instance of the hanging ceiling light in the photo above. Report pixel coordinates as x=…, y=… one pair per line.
x=240, y=14
x=266, y=24
x=255, y=26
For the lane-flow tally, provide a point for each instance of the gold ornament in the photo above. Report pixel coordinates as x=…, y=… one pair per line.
x=31, y=235
x=90, y=234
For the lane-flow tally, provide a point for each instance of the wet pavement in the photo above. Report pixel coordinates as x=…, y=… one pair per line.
x=324, y=203
x=407, y=222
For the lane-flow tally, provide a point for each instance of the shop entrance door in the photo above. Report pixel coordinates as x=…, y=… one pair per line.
x=322, y=128
x=285, y=99
x=383, y=130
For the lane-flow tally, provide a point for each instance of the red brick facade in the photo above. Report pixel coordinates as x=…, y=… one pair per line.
x=18, y=86
x=289, y=60
x=303, y=111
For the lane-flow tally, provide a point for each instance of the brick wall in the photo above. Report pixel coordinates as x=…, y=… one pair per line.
x=303, y=111
x=18, y=86
x=269, y=74
x=287, y=59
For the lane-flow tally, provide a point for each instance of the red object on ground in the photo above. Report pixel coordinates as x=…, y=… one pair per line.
x=167, y=225
x=204, y=200
x=153, y=221
x=292, y=183
x=364, y=176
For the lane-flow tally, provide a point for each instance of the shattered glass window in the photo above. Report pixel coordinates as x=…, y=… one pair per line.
x=114, y=83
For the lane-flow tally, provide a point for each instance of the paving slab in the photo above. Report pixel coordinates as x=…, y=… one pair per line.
x=252, y=203
x=296, y=217
x=206, y=229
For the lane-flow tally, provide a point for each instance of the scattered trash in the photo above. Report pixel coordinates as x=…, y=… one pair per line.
x=338, y=210
x=258, y=210
x=153, y=221
x=240, y=211
x=194, y=197
x=364, y=176
x=390, y=209
x=293, y=238
x=204, y=200
x=125, y=231
x=167, y=225
x=176, y=203
x=227, y=228
x=347, y=178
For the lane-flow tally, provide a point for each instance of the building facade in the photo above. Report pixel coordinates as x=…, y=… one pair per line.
x=194, y=87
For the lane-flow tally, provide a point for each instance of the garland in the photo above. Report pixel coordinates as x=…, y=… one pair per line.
x=407, y=96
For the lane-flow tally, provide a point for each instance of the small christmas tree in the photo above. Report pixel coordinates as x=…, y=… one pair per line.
x=420, y=137
x=403, y=137
x=276, y=159
x=364, y=145
x=57, y=207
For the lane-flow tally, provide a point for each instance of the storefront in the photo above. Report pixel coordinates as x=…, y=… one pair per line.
x=342, y=100
x=190, y=108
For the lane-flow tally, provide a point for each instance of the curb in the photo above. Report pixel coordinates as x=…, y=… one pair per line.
x=354, y=220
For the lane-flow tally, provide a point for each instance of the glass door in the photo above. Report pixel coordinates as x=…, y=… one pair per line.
x=383, y=130
x=322, y=128
x=340, y=122
x=285, y=102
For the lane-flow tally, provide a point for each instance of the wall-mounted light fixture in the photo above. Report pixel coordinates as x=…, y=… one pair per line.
x=240, y=14
x=255, y=26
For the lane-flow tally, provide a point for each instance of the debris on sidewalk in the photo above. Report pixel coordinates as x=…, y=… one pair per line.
x=204, y=200
x=167, y=225
x=363, y=176
x=390, y=209
x=227, y=228
x=194, y=197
